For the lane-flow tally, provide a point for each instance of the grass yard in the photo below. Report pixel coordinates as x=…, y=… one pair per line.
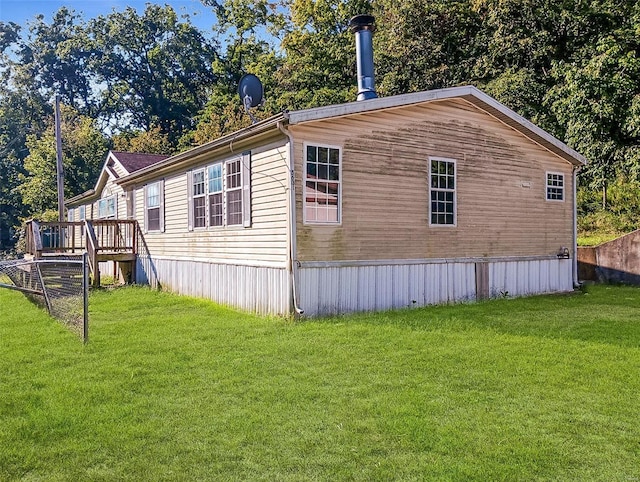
x=172, y=388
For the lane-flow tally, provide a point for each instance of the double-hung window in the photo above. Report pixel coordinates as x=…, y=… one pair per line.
x=199, y=199
x=322, y=185
x=442, y=191
x=154, y=206
x=555, y=186
x=234, y=192
x=220, y=194
x=216, y=204
x=107, y=207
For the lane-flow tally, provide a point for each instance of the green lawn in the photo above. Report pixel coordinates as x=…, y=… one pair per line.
x=172, y=388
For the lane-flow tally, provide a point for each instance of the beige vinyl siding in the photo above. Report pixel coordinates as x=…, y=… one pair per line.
x=118, y=169
x=264, y=242
x=111, y=189
x=500, y=193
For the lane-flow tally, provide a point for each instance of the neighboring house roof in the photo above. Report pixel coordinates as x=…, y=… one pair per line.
x=233, y=142
x=117, y=161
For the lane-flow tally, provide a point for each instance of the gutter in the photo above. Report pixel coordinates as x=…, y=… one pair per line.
x=195, y=155
x=292, y=264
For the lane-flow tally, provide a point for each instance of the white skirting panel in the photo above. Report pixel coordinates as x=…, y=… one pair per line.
x=263, y=290
x=529, y=277
x=342, y=287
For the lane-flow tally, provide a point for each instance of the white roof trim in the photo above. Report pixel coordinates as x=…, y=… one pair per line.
x=483, y=101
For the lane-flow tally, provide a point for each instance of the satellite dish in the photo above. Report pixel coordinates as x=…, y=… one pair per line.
x=251, y=91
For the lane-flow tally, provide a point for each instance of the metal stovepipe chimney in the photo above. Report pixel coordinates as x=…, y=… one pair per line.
x=363, y=26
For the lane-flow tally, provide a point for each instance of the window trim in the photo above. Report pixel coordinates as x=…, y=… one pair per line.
x=227, y=190
x=547, y=186
x=160, y=207
x=244, y=164
x=106, y=201
x=194, y=196
x=210, y=193
x=306, y=221
x=454, y=190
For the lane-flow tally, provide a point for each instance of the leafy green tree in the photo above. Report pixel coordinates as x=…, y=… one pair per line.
x=151, y=142
x=597, y=101
x=83, y=151
x=21, y=112
x=56, y=58
x=424, y=45
x=319, y=66
x=156, y=71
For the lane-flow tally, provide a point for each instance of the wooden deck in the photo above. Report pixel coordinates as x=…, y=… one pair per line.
x=102, y=240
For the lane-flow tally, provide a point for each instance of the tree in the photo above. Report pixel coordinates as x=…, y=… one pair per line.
x=56, y=58
x=598, y=103
x=244, y=26
x=424, y=45
x=21, y=112
x=151, y=142
x=156, y=70
x=83, y=150
x=319, y=67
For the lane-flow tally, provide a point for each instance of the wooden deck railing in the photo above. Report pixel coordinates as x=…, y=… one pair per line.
x=54, y=237
x=102, y=239
x=101, y=235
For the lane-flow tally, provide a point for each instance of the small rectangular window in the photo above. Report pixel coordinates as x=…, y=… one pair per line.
x=153, y=206
x=442, y=186
x=322, y=187
x=555, y=186
x=70, y=215
x=82, y=213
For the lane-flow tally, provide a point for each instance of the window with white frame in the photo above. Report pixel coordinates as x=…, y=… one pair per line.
x=153, y=205
x=442, y=191
x=216, y=201
x=82, y=213
x=199, y=200
x=555, y=186
x=322, y=184
x=233, y=188
x=107, y=207
x=70, y=215
x=220, y=194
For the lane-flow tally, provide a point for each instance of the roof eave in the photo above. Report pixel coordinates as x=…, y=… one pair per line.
x=192, y=156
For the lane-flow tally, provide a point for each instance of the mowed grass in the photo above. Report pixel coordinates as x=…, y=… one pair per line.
x=172, y=388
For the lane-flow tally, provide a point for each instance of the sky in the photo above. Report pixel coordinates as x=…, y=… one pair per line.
x=22, y=11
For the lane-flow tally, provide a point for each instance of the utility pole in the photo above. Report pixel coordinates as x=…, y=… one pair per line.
x=59, y=166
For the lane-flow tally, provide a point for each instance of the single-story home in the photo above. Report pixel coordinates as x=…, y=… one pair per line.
x=430, y=197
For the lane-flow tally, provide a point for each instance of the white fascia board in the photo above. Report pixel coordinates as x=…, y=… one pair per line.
x=318, y=113
x=111, y=155
x=528, y=125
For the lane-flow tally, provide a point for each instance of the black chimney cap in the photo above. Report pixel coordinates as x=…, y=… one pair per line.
x=362, y=22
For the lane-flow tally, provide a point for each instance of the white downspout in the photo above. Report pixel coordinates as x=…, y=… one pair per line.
x=576, y=283
x=291, y=234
